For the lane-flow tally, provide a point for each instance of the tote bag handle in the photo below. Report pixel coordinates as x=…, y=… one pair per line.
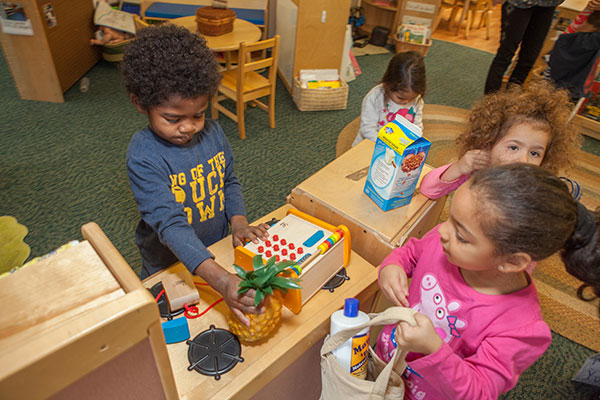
x=392, y=315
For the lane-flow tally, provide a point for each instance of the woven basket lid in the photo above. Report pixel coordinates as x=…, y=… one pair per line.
x=214, y=13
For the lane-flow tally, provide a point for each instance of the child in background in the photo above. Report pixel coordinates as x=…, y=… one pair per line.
x=521, y=124
x=181, y=166
x=479, y=322
x=574, y=55
x=400, y=92
x=107, y=35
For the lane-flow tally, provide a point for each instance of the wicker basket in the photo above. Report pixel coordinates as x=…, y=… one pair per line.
x=320, y=99
x=402, y=46
x=214, y=21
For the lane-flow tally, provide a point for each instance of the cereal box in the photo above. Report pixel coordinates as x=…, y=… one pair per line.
x=398, y=158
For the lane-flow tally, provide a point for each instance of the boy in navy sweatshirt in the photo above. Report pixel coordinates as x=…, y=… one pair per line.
x=180, y=167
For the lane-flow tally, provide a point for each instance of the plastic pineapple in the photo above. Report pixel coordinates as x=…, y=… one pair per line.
x=268, y=284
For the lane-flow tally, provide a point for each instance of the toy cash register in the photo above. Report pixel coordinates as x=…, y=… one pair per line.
x=319, y=249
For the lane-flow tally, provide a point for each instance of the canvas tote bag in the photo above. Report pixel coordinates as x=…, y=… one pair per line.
x=383, y=380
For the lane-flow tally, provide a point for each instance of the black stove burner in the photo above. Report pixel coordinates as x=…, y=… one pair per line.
x=337, y=280
x=163, y=304
x=214, y=352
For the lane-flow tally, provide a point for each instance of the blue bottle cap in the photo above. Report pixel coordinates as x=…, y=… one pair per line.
x=351, y=307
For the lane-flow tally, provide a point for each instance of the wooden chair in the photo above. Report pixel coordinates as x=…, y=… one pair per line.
x=243, y=84
x=454, y=6
x=483, y=6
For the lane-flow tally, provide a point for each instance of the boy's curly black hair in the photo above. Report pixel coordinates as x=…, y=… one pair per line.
x=166, y=60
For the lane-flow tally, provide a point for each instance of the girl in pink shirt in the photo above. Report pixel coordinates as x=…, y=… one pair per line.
x=527, y=125
x=479, y=323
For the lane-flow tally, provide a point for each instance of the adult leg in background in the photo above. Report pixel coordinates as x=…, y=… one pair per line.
x=533, y=40
x=514, y=23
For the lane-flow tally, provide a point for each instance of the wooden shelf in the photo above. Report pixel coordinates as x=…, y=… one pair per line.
x=382, y=7
x=587, y=126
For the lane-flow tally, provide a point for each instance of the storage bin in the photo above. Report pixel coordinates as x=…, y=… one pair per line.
x=409, y=46
x=320, y=99
x=214, y=21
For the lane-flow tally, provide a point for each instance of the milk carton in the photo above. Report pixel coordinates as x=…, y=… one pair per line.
x=398, y=158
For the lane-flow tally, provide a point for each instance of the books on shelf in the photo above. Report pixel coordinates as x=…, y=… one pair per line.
x=413, y=33
x=591, y=106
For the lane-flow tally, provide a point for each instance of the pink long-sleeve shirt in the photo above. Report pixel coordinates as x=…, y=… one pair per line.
x=488, y=340
x=434, y=188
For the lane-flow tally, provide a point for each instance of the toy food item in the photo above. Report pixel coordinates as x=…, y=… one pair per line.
x=267, y=282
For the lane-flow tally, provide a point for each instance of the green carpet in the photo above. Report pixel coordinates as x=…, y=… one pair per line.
x=63, y=165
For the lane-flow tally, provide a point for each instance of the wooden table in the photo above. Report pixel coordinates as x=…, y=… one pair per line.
x=274, y=359
x=243, y=31
x=335, y=194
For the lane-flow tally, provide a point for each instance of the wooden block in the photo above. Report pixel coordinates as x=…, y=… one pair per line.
x=180, y=290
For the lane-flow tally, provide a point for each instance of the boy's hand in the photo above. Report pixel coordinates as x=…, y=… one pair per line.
x=239, y=304
x=394, y=284
x=473, y=160
x=421, y=338
x=227, y=284
x=240, y=231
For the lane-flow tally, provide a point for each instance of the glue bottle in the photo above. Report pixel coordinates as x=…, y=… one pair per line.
x=352, y=355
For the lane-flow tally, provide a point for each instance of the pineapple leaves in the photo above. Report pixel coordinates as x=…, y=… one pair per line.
x=260, y=295
x=285, y=283
x=257, y=262
x=264, y=278
x=242, y=273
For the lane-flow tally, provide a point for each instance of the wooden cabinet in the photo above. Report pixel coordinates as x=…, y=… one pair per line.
x=46, y=64
x=311, y=35
x=79, y=325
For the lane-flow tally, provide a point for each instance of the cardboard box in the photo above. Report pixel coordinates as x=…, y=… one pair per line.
x=398, y=158
x=335, y=194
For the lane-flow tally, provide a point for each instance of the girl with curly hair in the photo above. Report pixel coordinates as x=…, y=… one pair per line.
x=180, y=166
x=528, y=125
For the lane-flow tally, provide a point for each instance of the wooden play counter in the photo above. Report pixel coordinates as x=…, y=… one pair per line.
x=286, y=362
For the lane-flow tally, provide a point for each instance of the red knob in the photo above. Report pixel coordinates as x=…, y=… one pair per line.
x=275, y=237
x=284, y=252
x=277, y=258
x=300, y=250
x=268, y=253
x=268, y=243
x=261, y=249
x=276, y=247
x=291, y=246
x=283, y=242
x=293, y=256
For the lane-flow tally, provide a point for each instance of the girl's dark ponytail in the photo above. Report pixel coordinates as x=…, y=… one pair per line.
x=524, y=208
x=581, y=254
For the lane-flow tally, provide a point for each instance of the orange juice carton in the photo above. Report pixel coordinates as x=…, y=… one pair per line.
x=398, y=159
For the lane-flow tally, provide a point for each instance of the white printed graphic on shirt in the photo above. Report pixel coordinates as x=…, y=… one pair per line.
x=435, y=306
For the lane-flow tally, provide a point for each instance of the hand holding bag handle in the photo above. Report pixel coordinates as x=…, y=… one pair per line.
x=392, y=315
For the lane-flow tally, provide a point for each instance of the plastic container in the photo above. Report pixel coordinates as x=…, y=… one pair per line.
x=352, y=355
